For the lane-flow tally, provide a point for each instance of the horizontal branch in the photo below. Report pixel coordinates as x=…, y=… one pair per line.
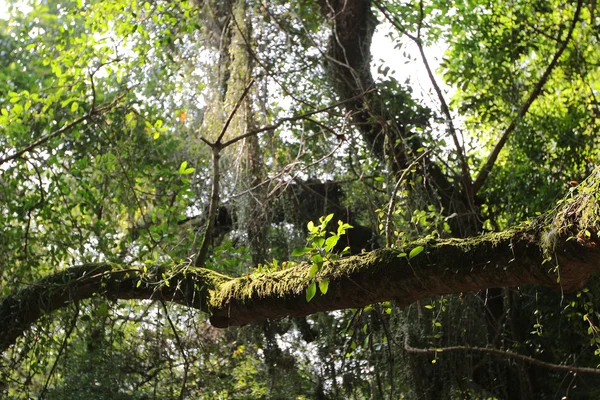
x=281, y=121
x=112, y=281
x=503, y=354
x=567, y=237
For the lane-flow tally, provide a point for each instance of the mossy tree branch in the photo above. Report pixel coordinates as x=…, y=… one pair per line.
x=559, y=249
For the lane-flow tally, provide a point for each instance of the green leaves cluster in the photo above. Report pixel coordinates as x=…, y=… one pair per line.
x=320, y=249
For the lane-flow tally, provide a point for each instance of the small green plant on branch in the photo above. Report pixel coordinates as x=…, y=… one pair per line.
x=319, y=249
x=272, y=266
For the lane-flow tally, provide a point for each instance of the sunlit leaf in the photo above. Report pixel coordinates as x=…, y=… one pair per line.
x=324, y=285
x=311, y=291
x=416, y=251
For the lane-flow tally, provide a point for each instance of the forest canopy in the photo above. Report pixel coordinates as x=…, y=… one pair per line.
x=236, y=199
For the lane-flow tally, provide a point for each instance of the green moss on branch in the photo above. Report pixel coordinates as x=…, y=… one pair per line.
x=567, y=237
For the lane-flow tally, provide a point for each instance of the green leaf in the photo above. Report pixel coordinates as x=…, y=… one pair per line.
x=74, y=107
x=324, y=286
x=102, y=309
x=331, y=242
x=130, y=119
x=311, y=290
x=317, y=259
x=415, y=252
x=319, y=241
x=311, y=226
x=300, y=251
x=313, y=271
x=182, y=167
x=325, y=221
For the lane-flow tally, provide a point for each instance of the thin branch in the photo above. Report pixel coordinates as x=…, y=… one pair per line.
x=487, y=168
x=464, y=165
x=388, y=218
x=212, y=209
x=60, y=131
x=44, y=139
x=504, y=354
x=61, y=350
x=216, y=148
x=93, y=107
x=281, y=121
x=235, y=108
x=181, y=348
x=325, y=157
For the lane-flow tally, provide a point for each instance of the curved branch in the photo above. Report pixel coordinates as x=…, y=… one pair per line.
x=348, y=67
x=487, y=168
x=514, y=257
x=464, y=164
x=504, y=354
x=112, y=281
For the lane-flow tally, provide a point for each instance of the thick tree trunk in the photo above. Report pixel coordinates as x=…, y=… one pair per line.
x=522, y=255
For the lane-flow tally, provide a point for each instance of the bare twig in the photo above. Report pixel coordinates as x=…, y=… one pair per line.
x=504, y=354
x=392, y=203
x=281, y=121
x=464, y=165
x=61, y=350
x=235, y=108
x=216, y=148
x=181, y=348
x=212, y=209
x=285, y=183
x=44, y=139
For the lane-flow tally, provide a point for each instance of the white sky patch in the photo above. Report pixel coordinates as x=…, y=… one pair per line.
x=406, y=65
x=3, y=10
x=21, y=6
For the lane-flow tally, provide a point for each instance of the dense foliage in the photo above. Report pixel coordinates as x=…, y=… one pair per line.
x=209, y=134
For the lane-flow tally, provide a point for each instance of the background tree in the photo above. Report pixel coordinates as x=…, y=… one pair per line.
x=152, y=150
